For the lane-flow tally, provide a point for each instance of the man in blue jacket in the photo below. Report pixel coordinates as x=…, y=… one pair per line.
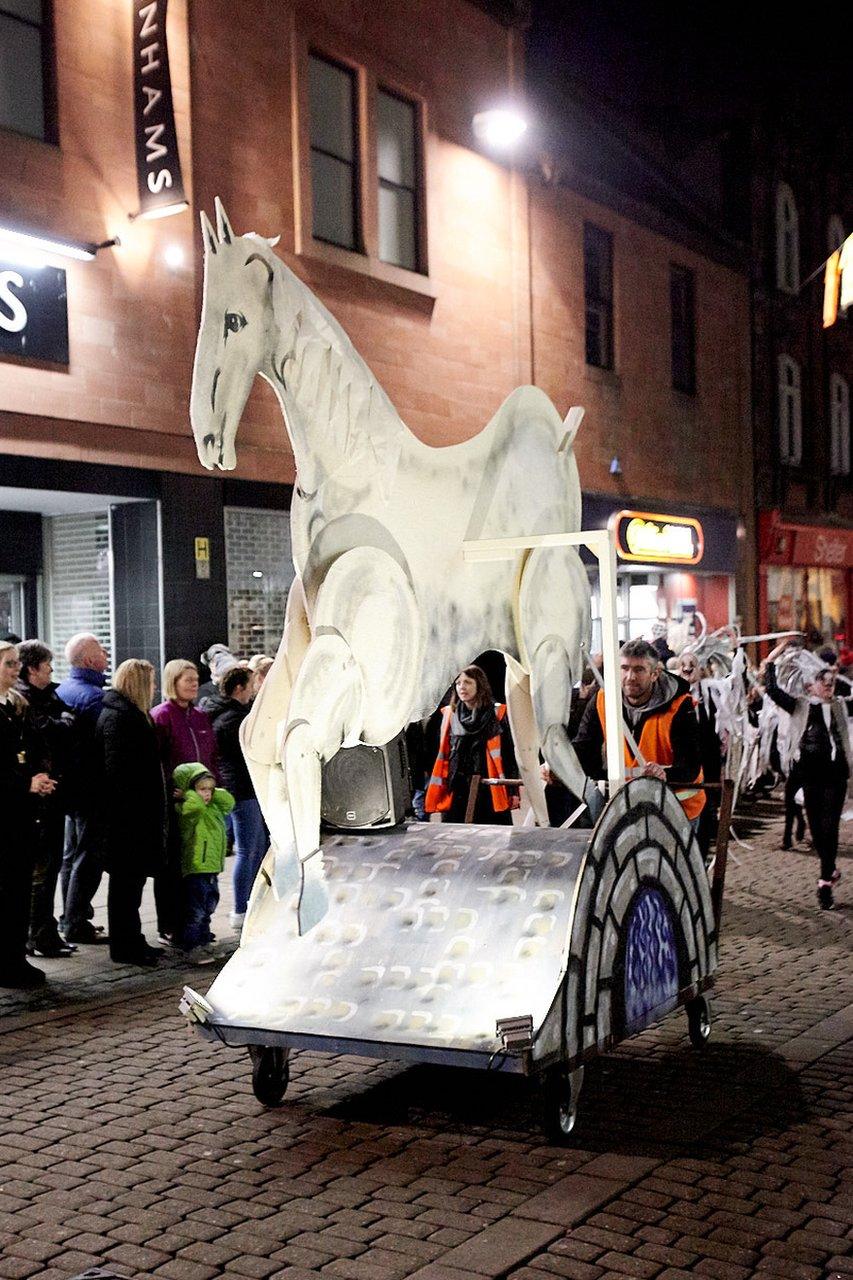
x=83, y=691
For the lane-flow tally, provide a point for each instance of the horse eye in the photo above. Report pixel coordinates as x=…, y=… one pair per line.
x=234, y=322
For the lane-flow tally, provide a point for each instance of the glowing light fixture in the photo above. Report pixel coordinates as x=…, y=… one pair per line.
x=173, y=256
x=31, y=249
x=500, y=127
x=164, y=211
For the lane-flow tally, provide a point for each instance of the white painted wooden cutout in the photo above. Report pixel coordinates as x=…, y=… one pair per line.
x=385, y=609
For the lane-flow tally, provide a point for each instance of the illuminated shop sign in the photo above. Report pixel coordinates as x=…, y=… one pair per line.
x=657, y=539
x=33, y=313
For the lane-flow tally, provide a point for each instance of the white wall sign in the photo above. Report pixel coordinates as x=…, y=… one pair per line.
x=33, y=313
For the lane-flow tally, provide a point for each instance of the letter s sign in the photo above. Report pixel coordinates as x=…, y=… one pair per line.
x=16, y=319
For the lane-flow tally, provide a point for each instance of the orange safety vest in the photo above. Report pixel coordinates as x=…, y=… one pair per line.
x=439, y=797
x=655, y=745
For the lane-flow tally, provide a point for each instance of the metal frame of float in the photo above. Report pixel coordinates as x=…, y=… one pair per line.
x=562, y=1072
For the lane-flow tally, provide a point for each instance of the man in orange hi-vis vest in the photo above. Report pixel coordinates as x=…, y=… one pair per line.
x=658, y=709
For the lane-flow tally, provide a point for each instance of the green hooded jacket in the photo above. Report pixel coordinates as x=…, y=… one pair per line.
x=203, y=836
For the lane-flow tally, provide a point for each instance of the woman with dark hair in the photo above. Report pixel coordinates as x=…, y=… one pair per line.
x=228, y=709
x=475, y=740
x=54, y=722
x=132, y=805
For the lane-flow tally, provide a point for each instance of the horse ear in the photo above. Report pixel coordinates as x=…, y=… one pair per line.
x=571, y=424
x=223, y=226
x=272, y=241
x=207, y=232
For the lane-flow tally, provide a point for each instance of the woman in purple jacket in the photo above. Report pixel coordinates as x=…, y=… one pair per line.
x=185, y=736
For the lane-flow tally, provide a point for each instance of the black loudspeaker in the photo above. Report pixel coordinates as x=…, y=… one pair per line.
x=366, y=787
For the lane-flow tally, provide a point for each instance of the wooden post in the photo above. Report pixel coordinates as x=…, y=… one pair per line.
x=473, y=792
x=722, y=849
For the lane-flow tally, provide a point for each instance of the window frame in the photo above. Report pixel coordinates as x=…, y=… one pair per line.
x=787, y=240
x=839, y=426
x=789, y=425
x=593, y=230
x=370, y=76
x=679, y=273
x=835, y=236
x=47, y=48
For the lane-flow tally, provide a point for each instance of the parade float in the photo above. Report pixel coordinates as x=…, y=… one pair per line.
x=521, y=949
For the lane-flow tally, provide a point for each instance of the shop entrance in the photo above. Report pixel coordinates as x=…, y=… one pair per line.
x=81, y=562
x=12, y=605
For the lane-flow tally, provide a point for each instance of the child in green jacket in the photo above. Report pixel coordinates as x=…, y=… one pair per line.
x=204, y=840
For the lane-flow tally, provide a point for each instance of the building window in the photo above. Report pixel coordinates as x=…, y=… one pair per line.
x=334, y=153
x=682, y=298
x=367, y=170
x=24, y=64
x=834, y=233
x=397, y=172
x=787, y=240
x=598, y=295
x=839, y=425
x=790, y=412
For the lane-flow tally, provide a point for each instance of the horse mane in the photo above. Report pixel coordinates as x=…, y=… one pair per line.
x=317, y=359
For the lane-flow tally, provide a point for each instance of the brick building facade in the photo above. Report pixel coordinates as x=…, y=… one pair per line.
x=484, y=290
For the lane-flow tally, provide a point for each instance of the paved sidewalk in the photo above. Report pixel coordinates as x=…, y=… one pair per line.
x=127, y=1142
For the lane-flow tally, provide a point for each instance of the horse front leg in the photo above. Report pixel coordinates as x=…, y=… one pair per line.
x=260, y=732
x=553, y=616
x=357, y=682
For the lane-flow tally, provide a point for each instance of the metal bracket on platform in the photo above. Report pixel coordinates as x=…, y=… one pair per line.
x=194, y=1007
x=516, y=1033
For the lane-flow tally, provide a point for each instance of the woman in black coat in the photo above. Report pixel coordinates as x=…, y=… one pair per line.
x=54, y=722
x=22, y=778
x=820, y=743
x=131, y=804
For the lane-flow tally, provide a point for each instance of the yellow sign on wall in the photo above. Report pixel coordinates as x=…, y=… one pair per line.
x=658, y=539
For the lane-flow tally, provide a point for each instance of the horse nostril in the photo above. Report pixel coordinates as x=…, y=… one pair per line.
x=209, y=440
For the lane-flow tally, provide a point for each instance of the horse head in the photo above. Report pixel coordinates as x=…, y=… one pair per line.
x=235, y=336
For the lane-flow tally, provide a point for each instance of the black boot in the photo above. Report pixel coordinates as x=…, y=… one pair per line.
x=826, y=902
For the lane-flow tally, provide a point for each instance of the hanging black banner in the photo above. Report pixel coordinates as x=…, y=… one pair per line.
x=158, y=166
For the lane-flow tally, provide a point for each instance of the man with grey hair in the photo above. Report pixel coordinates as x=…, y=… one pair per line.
x=83, y=691
x=658, y=709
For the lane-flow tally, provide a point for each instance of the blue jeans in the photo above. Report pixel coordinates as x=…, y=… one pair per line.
x=82, y=867
x=201, y=896
x=250, y=845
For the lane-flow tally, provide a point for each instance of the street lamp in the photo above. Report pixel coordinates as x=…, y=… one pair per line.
x=499, y=127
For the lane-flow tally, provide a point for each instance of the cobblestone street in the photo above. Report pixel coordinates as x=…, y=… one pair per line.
x=128, y=1143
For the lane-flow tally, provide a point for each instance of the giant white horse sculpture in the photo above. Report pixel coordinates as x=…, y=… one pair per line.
x=384, y=610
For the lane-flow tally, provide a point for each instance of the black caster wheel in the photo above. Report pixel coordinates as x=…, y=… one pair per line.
x=698, y=1021
x=559, y=1100
x=270, y=1074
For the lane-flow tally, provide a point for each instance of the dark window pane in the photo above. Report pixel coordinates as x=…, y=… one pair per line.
x=29, y=10
x=333, y=200
x=683, y=320
x=21, y=89
x=331, y=97
x=598, y=290
x=333, y=153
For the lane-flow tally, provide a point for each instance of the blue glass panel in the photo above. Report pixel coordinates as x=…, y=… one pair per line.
x=651, y=961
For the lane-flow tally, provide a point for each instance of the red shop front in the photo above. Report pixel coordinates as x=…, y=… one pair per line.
x=805, y=578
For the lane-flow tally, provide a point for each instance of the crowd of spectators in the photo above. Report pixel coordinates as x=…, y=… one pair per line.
x=95, y=783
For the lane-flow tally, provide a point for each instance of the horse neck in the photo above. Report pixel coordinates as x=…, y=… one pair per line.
x=336, y=412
